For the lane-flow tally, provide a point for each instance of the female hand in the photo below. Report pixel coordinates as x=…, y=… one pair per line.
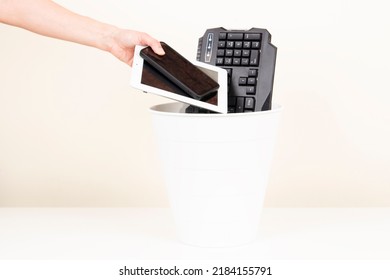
x=123, y=42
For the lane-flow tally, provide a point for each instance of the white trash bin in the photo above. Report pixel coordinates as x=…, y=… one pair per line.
x=216, y=169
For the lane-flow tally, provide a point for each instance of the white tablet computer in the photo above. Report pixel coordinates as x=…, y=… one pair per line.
x=146, y=78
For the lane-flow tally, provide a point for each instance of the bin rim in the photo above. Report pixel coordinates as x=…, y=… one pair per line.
x=158, y=110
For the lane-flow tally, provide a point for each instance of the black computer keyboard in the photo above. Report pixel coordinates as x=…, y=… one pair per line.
x=249, y=58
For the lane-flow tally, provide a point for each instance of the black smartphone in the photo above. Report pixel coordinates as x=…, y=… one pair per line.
x=181, y=72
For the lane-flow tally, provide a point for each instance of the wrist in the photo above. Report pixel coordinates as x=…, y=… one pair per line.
x=107, y=39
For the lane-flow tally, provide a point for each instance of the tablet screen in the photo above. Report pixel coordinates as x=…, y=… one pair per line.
x=151, y=77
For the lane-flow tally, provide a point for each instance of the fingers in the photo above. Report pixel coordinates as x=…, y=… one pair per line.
x=123, y=42
x=153, y=43
x=157, y=48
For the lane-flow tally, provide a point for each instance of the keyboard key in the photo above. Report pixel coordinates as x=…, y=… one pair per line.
x=242, y=81
x=221, y=44
x=222, y=35
x=238, y=45
x=228, y=61
x=255, y=45
x=254, y=58
x=235, y=36
x=230, y=44
x=252, y=73
x=244, y=61
x=246, y=53
x=251, y=90
x=240, y=105
x=219, y=61
x=249, y=103
x=247, y=45
x=237, y=53
x=252, y=36
x=229, y=53
x=220, y=52
x=236, y=61
x=252, y=81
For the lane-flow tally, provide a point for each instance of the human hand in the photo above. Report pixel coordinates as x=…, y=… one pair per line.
x=123, y=42
x=69, y=26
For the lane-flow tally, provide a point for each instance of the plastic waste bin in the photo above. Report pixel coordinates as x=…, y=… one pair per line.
x=215, y=169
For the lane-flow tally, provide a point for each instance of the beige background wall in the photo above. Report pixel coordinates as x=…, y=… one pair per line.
x=73, y=132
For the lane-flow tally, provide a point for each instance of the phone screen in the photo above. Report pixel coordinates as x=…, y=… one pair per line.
x=181, y=72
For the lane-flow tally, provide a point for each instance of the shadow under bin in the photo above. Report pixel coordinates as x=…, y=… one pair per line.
x=215, y=168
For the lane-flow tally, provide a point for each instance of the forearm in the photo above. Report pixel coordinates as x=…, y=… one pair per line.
x=50, y=19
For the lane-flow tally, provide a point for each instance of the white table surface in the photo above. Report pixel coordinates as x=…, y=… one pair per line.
x=149, y=233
